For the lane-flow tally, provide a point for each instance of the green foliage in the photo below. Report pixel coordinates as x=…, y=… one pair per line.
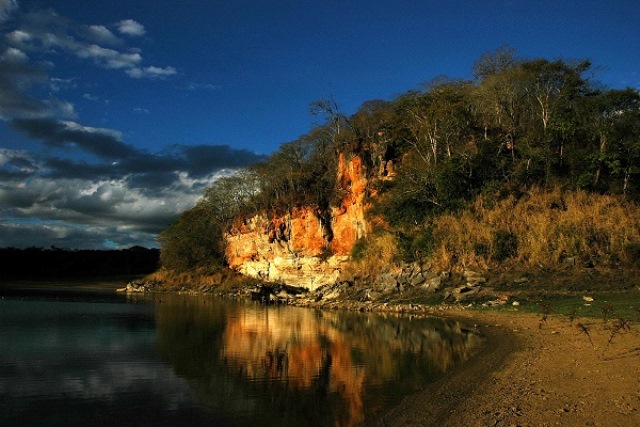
x=302, y=172
x=415, y=245
x=358, y=251
x=193, y=240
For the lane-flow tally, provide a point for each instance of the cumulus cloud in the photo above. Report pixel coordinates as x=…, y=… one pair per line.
x=102, y=34
x=103, y=143
x=75, y=204
x=45, y=31
x=88, y=188
x=131, y=27
x=108, y=58
x=129, y=198
x=13, y=55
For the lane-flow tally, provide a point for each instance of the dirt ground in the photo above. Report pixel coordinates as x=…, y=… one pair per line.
x=535, y=372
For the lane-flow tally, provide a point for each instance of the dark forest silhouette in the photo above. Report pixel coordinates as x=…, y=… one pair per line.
x=56, y=263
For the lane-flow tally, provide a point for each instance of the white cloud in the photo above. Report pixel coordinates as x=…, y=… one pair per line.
x=151, y=72
x=109, y=57
x=102, y=34
x=19, y=37
x=202, y=86
x=131, y=27
x=61, y=108
x=124, y=201
x=6, y=8
x=57, y=84
x=116, y=211
x=52, y=33
x=77, y=127
x=14, y=55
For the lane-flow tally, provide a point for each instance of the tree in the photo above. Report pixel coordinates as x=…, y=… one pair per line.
x=529, y=107
x=194, y=240
x=336, y=119
x=613, y=118
x=501, y=103
x=439, y=120
x=491, y=63
x=552, y=88
x=229, y=196
x=300, y=172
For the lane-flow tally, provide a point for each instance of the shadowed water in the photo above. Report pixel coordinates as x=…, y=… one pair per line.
x=78, y=357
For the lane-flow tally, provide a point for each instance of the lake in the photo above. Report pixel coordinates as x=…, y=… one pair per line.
x=93, y=357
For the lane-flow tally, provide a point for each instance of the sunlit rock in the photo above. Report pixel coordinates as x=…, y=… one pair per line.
x=303, y=247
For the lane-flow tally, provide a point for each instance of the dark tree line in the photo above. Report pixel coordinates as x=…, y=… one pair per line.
x=55, y=263
x=520, y=123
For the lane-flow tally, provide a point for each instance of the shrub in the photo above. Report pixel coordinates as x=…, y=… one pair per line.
x=193, y=240
x=505, y=245
x=358, y=251
x=414, y=247
x=481, y=250
x=376, y=253
x=632, y=252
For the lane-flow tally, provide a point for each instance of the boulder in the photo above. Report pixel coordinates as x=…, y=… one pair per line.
x=474, y=278
x=417, y=279
x=433, y=283
x=388, y=280
x=463, y=292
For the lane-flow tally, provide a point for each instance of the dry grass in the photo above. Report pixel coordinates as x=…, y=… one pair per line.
x=551, y=228
x=379, y=254
x=195, y=279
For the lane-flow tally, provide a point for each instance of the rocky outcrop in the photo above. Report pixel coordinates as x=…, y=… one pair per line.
x=304, y=247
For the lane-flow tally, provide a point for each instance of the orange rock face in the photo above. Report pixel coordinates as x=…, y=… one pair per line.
x=297, y=248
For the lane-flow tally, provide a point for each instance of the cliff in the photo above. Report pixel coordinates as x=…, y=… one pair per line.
x=304, y=247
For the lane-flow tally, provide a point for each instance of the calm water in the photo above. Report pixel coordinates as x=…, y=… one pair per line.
x=79, y=357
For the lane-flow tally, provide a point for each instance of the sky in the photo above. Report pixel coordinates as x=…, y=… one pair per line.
x=116, y=115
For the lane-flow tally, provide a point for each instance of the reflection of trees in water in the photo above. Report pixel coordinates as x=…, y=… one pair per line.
x=288, y=366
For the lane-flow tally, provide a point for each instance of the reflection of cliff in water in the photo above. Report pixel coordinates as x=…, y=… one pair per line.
x=291, y=366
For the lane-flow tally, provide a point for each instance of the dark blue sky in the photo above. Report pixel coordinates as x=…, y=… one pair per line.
x=115, y=115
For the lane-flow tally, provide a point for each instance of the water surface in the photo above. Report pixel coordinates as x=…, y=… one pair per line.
x=72, y=357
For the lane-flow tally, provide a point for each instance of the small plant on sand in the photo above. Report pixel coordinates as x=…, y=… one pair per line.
x=572, y=316
x=585, y=330
x=546, y=311
x=619, y=326
x=607, y=311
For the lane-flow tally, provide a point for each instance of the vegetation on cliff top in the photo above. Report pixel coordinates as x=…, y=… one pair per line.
x=532, y=162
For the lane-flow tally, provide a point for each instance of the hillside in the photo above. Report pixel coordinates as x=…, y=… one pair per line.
x=530, y=165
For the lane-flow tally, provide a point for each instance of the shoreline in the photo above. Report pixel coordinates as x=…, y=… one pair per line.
x=438, y=402
x=535, y=370
x=532, y=375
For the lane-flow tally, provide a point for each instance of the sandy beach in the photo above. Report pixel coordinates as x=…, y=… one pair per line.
x=535, y=372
